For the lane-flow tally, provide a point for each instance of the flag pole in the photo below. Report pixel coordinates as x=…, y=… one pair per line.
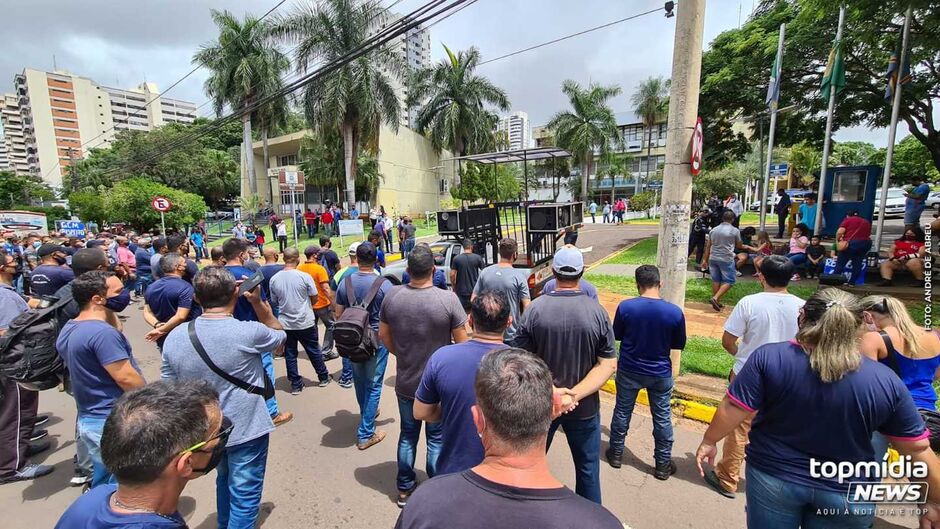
x=773, y=124
x=826, y=141
x=892, y=131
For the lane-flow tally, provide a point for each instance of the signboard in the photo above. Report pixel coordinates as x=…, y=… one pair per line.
x=779, y=169
x=161, y=204
x=350, y=227
x=291, y=180
x=23, y=223
x=72, y=228
x=698, y=143
x=830, y=268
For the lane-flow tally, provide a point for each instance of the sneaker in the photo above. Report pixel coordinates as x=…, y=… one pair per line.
x=345, y=383
x=324, y=383
x=32, y=471
x=664, y=470
x=41, y=419
x=38, y=434
x=739, y=273
x=297, y=390
x=37, y=448
x=712, y=479
x=614, y=459
x=332, y=355
x=403, y=496
x=79, y=479
x=715, y=305
x=376, y=438
x=796, y=277
x=282, y=418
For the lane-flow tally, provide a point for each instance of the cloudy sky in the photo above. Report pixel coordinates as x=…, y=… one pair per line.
x=122, y=43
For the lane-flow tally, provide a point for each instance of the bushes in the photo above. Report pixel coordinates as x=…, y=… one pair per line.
x=129, y=201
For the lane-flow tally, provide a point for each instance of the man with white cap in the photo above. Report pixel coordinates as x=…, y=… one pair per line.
x=572, y=333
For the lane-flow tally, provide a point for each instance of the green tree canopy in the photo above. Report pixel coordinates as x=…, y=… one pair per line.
x=21, y=190
x=496, y=183
x=129, y=201
x=321, y=159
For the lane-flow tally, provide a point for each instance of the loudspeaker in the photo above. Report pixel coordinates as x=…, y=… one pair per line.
x=448, y=222
x=577, y=213
x=542, y=219
x=833, y=280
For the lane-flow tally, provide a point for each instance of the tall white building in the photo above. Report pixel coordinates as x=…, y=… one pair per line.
x=54, y=118
x=516, y=128
x=414, y=48
x=4, y=159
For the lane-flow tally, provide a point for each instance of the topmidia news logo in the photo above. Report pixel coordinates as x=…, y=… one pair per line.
x=866, y=479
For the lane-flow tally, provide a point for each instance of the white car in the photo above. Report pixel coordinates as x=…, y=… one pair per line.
x=933, y=200
x=894, y=206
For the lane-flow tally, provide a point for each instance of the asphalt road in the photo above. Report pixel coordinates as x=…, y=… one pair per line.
x=317, y=478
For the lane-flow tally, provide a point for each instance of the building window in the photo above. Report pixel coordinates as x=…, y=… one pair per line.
x=290, y=159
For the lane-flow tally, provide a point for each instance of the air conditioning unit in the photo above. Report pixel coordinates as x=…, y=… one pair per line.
x=551, y=218
x=448, y=222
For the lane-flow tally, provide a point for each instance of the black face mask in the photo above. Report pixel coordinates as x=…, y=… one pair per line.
x=219, y=449
x=59, y=260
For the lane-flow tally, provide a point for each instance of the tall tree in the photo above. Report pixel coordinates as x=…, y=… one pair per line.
x=589, y=126
x=358, y=97
x=455, y=115
x=244, y=66
x=649, y=102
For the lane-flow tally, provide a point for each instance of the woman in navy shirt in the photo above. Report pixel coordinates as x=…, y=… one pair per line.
x=817, y=400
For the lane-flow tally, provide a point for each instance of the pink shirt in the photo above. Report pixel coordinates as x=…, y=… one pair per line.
x=795, y=248
x=126, y=256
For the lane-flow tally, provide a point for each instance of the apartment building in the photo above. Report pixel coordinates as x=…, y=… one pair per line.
x=414, y=48
x=53, y=118
x=4, y=159
x=516, y=129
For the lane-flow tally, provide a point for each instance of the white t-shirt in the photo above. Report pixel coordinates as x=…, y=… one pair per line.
x=758, y=319
x=281, y=230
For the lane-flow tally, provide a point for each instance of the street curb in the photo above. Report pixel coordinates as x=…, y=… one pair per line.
x=684, y=407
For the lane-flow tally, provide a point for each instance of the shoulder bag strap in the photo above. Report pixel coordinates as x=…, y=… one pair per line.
x=373, y=290
x=266, y=392
x=892, y=360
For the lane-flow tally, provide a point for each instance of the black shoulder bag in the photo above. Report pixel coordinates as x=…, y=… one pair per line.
x=266, y=392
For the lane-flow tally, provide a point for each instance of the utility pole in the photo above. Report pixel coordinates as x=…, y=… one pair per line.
x=672, y=255
x=827, y=141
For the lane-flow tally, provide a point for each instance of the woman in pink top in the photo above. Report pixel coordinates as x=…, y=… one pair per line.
x=797, y=253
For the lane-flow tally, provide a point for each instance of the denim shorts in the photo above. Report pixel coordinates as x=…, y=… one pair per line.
x=722, y=272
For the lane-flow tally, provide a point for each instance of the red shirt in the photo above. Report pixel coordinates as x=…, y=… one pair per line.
x=327, y=217
x=856, y=229
x=310, y=217
x=904, y=248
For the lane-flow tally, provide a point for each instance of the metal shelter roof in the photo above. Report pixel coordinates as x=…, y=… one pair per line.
x=518, y=155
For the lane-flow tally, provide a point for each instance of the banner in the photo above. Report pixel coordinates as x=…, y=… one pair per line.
x=72, y=228
x=350, y=227
x=830, y=268
x=23, y=223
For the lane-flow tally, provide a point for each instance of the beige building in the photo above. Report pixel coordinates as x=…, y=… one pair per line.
x=414, y=177
x=60, y=116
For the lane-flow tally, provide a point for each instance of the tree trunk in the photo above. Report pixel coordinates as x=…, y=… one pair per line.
x=267, y=159
x=649, y=152
x=349, y=149
x=249, y=155
x=585, y=176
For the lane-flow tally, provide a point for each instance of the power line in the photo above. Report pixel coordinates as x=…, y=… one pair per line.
x=566, y=37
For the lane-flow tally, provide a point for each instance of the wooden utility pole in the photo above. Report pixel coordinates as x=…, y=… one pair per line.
x=672, y=255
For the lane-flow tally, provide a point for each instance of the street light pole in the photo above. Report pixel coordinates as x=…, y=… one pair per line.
x=672, y=254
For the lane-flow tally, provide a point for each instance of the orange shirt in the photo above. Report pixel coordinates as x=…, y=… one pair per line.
x=319, y=275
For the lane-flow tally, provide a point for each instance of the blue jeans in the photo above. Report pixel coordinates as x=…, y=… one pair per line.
x=856, y=252
x=776, y=504
x=912, y=214
x=659, y=390
x=143, y=281
x=798, y=260
x=406, y=246
x=89, y=432
x=721, y=272
x=267, y=360
x=239, y=483
x=347, y=373
x=307, y=338
x=584, y=440
x=408, y=445
x=367, y=379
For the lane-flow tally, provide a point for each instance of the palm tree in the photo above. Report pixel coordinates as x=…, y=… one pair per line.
x=356, y=98
x=616, y=166
x=650, y=103
x=271, y=116
x=244, y=66
x=588, y=127
x=454, y=116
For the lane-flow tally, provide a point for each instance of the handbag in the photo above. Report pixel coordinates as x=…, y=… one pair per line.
x=266, y=392
x=931, y=417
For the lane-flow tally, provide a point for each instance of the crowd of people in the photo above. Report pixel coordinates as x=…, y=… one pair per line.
x=488, y=373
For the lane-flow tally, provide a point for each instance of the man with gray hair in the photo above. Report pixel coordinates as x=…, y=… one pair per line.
x=293, y=293
x=169, y=301
x=513, y=486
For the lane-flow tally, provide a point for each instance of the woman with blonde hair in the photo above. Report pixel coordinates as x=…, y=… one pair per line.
x=816, y=400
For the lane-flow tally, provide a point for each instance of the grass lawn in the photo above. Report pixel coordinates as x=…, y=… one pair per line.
x=643, y=252
x=705, y=356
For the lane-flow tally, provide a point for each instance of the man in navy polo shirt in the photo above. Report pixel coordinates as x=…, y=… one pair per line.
x=648, y=328
x=169, y=301
x=446, y=392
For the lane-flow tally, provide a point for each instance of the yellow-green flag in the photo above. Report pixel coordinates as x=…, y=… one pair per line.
x=834, y=76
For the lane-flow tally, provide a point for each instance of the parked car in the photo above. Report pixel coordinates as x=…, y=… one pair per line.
x=797, y=196
x=894, y=205
x=933, y=200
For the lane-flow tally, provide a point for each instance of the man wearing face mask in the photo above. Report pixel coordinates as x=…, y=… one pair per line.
x=52, y=273
x=767, y=317
x=186, y=435
x=98, y=358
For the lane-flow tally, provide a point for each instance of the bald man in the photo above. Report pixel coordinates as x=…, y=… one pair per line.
x=268, y=269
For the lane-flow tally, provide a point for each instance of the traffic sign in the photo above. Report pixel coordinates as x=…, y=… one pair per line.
x=161, y=204
x=779, y=169
x=698, y=143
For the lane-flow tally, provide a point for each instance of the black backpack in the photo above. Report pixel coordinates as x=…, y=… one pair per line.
x=28, y=355
x=352, y=333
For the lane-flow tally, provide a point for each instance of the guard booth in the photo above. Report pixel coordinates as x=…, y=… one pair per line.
x=848, y=189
